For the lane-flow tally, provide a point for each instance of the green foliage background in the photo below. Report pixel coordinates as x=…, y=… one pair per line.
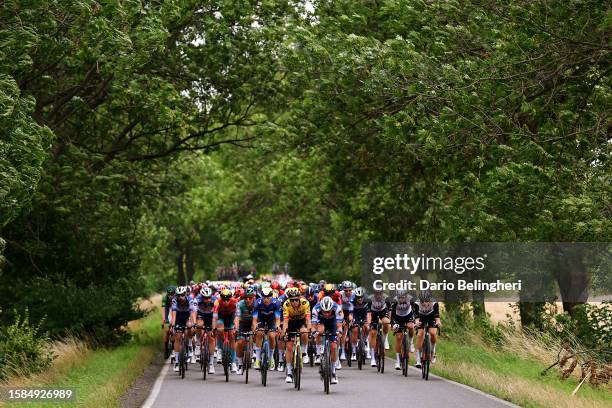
x=140, y=136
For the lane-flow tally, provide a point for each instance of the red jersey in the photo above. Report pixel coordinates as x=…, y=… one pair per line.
x=335, y=297
x=224, y=309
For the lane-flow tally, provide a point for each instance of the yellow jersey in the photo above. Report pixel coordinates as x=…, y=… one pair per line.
x=296, y=313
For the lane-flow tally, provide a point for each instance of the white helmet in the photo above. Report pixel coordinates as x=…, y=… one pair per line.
x=206, y=292
x=266, y=292
x=327, y=304
x=359, y=292
x=181, y=290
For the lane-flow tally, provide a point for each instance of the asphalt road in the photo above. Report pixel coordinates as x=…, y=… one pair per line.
x=355, y=388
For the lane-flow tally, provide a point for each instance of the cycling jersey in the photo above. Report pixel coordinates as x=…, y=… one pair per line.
x=433, y=311
x=205, y=307
x=262, y=311
x=379, y=304
x=299, y=313
x=360, y=310
x=319, y=316
x=183, y=312
x=335, y=297
x=225, y=309
x=347, y=304
x=244, y=312
x=402, y=313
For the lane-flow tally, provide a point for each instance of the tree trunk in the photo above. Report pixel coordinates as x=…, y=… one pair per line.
x=189, y=262
x=180, y=261
x=573, y=282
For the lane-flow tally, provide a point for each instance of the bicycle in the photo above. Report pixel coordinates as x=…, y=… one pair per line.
x=426, y=351
x=226, y=353
x=297, y=358
x=360, y=352
x=405, y=353
x=183, y=364
x=379, y=353
x=348, y=346
x=325, y=368
x=168, y=342
x=265, y=348
x=311, y=349
x=204, y=351
x=247, y=354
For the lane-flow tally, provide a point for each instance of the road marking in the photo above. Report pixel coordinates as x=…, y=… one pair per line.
x=467, y=387
x=156, y=387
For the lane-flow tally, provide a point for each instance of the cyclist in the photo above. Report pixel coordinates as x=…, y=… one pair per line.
x=244, y=322
x=346, y=298
x=327, y=315
x=379, y=309
x=427, y=312
x=205, y=303
x=181, y=318
x=402, y=315
x=361, y=315
x=266, y=314
x=310, y=297
x=330, y=290
x=224, y=313
x=280, y=340
x=165, y=311
x=296, y=313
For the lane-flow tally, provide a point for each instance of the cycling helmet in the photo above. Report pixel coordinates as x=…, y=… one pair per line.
x=309, y=292
x=378, y=291
x=248, y=292
x=266, y=292
x=347, y=285
x=303, y=288
x=402, y=294
x=226, y=294
x=181, y=291
x=171, y=290
x=293, y=292
x=359, y=292
x=327, y=304
x=425, y=296
x=329, y=289
x=206, y=292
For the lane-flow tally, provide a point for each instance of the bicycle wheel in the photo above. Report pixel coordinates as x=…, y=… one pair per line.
x=404, y=355
x=182, y=363
x=226, y=357
x=297, y=364
x=246, y=361
x=204, y=357
x=327, y=371
x=311, y=352
x=425, y=357
x=264, y=362
x=380, y=352
x=360, y=353
x=349, y=356
x=275, y=355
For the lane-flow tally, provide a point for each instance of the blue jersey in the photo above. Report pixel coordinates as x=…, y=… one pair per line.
x=261, y=311
x=204, y=308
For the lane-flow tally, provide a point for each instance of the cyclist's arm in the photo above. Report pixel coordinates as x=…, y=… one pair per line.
x=172, y=317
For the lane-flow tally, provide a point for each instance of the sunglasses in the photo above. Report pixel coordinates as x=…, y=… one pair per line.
x=294, y=300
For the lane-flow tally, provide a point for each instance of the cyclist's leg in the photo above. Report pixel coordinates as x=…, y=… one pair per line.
x=433, y=335
x=419, y=344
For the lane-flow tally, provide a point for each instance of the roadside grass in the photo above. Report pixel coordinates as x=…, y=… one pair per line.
x=510, y=376
x=98, y=377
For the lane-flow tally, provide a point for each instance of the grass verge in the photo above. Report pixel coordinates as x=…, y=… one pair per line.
x=99, y=377
x=510, y=376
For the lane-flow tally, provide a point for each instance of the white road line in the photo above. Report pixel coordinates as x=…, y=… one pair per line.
x=156, y=387
x=467, y=387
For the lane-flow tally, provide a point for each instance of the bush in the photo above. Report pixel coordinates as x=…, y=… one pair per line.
x=24, y=349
